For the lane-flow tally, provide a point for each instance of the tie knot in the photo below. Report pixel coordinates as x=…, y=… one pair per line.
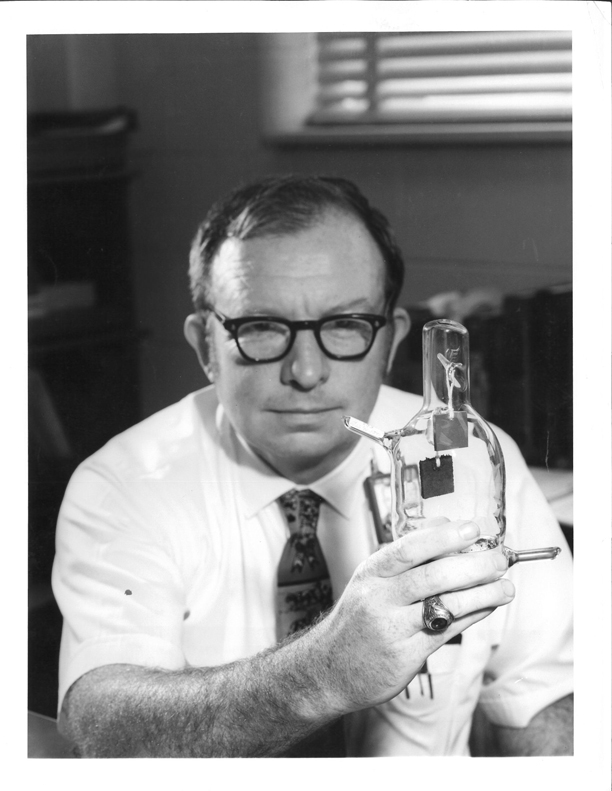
x=301, y=507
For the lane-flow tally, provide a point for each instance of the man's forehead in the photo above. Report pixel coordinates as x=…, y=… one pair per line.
x=232, y=268
x=332, y=242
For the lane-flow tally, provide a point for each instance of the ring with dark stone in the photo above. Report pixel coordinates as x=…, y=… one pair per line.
x=436, y=617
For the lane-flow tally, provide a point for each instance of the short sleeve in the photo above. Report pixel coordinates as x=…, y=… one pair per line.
x=532, y=666
x=116, y=584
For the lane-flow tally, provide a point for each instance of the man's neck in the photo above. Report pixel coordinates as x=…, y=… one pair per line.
x=303, y=473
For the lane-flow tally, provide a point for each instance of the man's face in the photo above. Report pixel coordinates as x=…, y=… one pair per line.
x=290, y=411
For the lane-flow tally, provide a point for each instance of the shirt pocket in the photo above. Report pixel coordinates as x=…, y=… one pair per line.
x=433, y=684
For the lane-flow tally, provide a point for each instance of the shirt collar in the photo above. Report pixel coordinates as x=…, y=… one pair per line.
x=338, y=486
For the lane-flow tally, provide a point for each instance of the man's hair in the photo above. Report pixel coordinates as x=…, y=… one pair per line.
x=281, y=205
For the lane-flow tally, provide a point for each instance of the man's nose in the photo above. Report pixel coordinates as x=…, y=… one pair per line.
x=306, y=365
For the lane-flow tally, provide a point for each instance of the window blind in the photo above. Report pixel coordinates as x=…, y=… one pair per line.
x=451, y=78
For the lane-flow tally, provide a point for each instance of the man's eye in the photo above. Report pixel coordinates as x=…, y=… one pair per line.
x=260, y=328
x=347, y=326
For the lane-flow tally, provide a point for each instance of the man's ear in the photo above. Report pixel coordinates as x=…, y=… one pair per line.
x=401, y=328
x=196, y=335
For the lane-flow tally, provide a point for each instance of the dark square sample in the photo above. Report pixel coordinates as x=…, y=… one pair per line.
x=436, y=480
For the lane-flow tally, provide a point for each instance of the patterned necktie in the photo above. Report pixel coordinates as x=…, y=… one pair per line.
x=304, y=592
x=304, y=587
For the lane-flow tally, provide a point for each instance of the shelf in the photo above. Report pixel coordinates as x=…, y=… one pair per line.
x=422, y=134
x=70, y=325
x=81, y=146
x=43, y=179
x=94, y=339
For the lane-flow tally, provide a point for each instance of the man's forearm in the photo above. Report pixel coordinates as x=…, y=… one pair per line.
x=365, y=651
x=551, y=732
x=256, y=707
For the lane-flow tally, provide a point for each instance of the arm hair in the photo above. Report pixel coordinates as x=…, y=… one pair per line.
x=550, y=732
x=252, y=708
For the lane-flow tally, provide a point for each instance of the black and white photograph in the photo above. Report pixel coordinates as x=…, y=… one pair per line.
x=317, y=316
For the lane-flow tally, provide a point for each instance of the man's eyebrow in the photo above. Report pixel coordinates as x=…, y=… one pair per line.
x=348, y=307
x=360, y=305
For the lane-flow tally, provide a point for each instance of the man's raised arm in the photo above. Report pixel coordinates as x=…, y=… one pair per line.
x=364, y=652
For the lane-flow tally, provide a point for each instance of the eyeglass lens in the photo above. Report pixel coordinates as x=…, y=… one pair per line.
x=341, y=337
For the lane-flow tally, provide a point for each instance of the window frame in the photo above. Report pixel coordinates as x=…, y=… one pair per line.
x=288, y=84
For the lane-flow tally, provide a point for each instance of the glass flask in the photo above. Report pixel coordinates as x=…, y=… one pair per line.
x=446, y=461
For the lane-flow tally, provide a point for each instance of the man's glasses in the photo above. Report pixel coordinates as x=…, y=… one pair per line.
x=265, y=339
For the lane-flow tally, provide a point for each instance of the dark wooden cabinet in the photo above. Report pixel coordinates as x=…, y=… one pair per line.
x=83, y=338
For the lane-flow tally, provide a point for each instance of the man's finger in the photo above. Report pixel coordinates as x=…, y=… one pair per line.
x=421, y=545
x=468, y=607
x=482, y=597
x=451, y=573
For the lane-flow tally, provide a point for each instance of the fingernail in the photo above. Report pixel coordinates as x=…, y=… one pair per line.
x=469, y=530
x=507, y=587
x=500, y=561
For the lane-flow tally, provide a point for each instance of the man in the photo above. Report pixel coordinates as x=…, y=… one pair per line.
x=172, y=538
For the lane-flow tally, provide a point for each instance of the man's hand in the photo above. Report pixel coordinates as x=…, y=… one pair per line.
x=374, y=640
x=367, y=649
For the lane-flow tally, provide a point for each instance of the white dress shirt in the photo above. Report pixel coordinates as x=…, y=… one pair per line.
x=168, y=544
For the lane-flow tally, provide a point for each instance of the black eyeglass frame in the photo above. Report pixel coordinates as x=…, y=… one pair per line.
x=232, y=326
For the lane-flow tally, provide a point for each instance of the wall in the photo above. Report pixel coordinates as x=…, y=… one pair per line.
x=465, y=216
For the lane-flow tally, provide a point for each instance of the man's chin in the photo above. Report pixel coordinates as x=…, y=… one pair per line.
x=323, y=420
x=313, y=453
x=309, y=443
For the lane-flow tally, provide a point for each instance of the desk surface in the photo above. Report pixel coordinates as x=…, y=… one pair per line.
x=44, y=740
x=558, y=488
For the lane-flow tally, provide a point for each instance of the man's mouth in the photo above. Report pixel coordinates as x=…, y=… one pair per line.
x=304, y=410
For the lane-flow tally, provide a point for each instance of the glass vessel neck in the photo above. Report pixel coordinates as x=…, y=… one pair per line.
x=446, y=365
